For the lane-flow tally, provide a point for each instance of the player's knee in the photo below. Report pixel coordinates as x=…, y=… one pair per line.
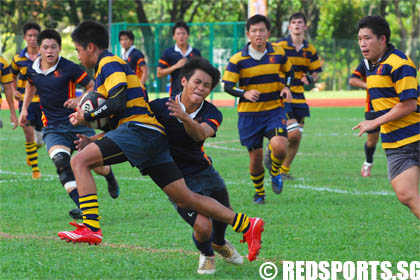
x=203, y=229
x=405, y=198
x=61, y=161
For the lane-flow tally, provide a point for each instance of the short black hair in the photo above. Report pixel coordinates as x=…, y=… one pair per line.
x=91, y=32
x=127, y=33
x=297, y=16
x=377, y=24
x=203, y=64
x=49, y=34
x=29, y=26
x=257, y=19
x=180, y=24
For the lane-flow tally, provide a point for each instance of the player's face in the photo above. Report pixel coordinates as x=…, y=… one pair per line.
x=181, y=36
x=371, y=46
x=30, y=38
x=198, y=87
x=85, y=56
x=258, y=35
x=125, y=42
x=49, y=50
x=297, y=26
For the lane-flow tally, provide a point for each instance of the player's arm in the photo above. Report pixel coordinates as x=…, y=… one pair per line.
x=400, y=110
x=251, y=95
x=198, y=131
x=8, y=90
x=163, y=72
x=72, y=103
x=145, y=73
x=29, y=94
x=356, y=82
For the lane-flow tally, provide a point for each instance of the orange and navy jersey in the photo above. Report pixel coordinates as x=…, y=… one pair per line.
x=392, y=80
x=170, y=57
x=20, y=65
x=136, y=60
x=262, y=75
x=305, y=61
x=5, y=73
x=55, y=86
x=188, y=154
x=112, y=72
x=360, y=73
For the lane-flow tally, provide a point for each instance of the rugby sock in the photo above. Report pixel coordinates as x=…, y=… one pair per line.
x=369, y=151
x=74, y=195
x=275, y=165
x=90, y=209
x=204, y=247
x=241, y=223
x=110, y=177
x=284, y=169
x=258, y=181
x=219, y=230
x=32, y=155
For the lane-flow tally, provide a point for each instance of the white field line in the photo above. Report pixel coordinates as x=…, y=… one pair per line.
x=229, y=182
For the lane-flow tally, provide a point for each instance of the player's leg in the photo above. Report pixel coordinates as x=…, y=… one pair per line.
x=113, y=186
x=30, y=144
x=370, y=146
x=294, y=136
x=256, y=172
x=37, y=124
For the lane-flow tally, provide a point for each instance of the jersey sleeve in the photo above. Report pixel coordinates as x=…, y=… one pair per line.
x=158, y=106
x=80, y=76
x=314, y=64
x=14, y=66
x=285, y=65
x=5, y=72
x=139, y=58
x=213, y=118
x=112, y=76
x=405, y=81
x=359, y=72
x=231, y=75
x=164, y=61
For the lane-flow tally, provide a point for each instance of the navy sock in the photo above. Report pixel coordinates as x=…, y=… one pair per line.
x=218, y=234
x=110, y=176
x=74, y=195
x=369, y=151
x=204, y=248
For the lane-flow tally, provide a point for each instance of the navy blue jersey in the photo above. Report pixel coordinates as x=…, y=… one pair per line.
x=170, y=57
x=56, y=87
x=136, y=60
x=188, y=154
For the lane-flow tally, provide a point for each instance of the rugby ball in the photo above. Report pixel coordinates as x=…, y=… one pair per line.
x=91, y=101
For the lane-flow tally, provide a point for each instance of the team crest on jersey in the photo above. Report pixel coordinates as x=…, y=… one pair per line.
x=380, y=69
x=305, y=54
x=272, y=59
x=56, y=73
x=129, y=59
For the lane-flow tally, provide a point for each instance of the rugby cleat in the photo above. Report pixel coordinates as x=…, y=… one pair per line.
x=286, y=176
x=36, y=175
x=206, y=265
x=366, y=168
x=253, y=237
x=259, y=199
x=228, y=252
x=76, y=214
x=277, y=184
x=113, y=187
x=82, y=234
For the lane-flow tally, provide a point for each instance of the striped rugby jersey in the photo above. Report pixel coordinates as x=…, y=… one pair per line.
x=360, y=73
x=5, y=73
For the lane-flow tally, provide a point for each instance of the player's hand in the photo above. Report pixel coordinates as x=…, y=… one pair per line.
x=23, y=118
x=366, y=126
x=82, y=142
x=287, y=94
x=252, y=95
x=71, y=103
x=18, y=96
x=77, y=118
x=13, y=120
x=181, y=62
x=176, y=110
x=304, y=80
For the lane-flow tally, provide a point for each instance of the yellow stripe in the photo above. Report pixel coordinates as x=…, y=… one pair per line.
x=259, y=106
x=133, y=81
x=238, y=218
x=380, y=104
x=115, y=79
x=263, y=69
x=93, y=211
x=379, y=81
x=92, y=223
x=231, y=76
x=86, y=205
x=299, y=101
x=87, y=198
x=406, y=83
x=257, y=177
x=410, y=119
x=402, y=142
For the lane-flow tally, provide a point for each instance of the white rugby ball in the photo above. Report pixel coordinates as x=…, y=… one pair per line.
x=91, y=101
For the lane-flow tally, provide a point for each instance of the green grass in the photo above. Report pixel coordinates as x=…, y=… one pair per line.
x=327, y=213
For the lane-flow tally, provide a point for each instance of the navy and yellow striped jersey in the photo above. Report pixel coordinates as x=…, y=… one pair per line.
x=187, y=153
x=56, y=86
x=305, y=61
x=360, y=73
x=5, y=73
x=112, y=72
x=170, y=57
x=20, y=65
x=389, y=82
x=262, y=75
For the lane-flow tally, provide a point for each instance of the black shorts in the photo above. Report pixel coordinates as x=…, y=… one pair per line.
x=371, y=116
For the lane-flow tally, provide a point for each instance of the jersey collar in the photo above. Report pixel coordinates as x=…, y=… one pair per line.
x=189, y=50
x=125, y=54
x=37, y=66
x=268, y=49
x=370, y=66
x=193, y=114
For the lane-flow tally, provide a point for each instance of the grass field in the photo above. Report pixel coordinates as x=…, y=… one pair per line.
x=329, y=212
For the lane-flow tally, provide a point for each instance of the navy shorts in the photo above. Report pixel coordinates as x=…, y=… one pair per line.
x=371, y=116
x=64, y=134
x=297, y=111
x=402, y=158
x=253, y=128
x=34, y=114
x=143, y=147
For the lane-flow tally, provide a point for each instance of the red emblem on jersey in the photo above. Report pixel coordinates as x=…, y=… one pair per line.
x=129, y=59
x=56, y=73
x=380, y=69
x=272, y=59
x=305, y=54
